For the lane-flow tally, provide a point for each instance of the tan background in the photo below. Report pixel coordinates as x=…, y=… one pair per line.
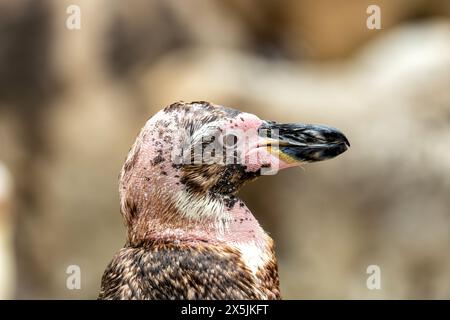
x=72, y=102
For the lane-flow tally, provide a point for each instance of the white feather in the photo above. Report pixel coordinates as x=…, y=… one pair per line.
x=202, y=208
x=253, y=256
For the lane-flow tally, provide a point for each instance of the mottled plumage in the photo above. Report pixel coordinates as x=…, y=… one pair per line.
x=188, y=235
x=186, y=271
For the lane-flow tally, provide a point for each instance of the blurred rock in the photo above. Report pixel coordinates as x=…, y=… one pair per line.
x=7, y=254
x=72, y=102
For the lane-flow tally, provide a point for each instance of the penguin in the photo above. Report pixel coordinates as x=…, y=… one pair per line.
x=188, y=235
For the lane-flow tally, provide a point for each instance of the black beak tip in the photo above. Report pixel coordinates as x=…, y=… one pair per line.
x=346, y=141
x=335, y=144
x=333, y=150
x=342, y=144
x=309, y=142
x=334, y=135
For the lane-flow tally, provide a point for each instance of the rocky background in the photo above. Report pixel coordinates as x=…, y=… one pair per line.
x=72, y=102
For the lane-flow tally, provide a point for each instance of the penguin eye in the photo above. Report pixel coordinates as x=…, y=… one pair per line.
x=230, y=140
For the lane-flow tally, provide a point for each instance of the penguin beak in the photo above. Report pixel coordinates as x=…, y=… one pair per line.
x=296, y=143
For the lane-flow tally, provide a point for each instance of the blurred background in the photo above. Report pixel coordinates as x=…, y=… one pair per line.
x=73, y=101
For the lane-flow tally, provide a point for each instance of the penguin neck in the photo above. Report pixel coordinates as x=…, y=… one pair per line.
x=192, y=219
